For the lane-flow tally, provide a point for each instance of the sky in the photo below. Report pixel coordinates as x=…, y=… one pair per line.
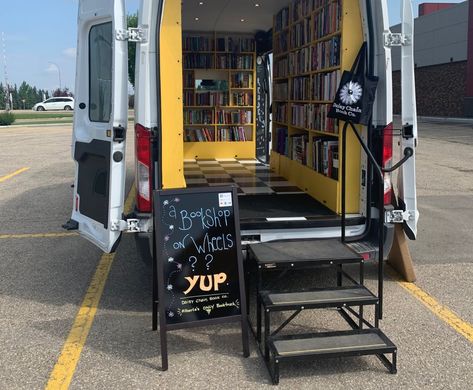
x=41, y=33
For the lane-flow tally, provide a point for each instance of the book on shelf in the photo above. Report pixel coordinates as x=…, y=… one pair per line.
x=234, y=61
x=281, y=20
x=198, y=116
x=328, y=19
x=301, y=33
x=312, y=116
x=211, y=98
x=198, y=61
x=325, y=85
x=197, y=43
x=326, y=54
x=300, y=61
x=233, y=133
x=301, y=9
x=189, y=80
x=280, y=112
x=242, y=80
x=300, y=148
x=281, y=67
x=227, y=117
x=281, y=145
x=242, y=98
x=235, y=44
x=199, y=135
x=300, y=88
x=280, y=90
x=281, y=42
x=189, y=98
x=325, y=157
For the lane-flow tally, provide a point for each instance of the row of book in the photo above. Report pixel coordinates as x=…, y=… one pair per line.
x=197, y=43
x=242, y=98
x=328, y=19
x=234, y=133
x=325, y=85
x=280, y=91
x=234, y=61
x=300, y=61
x=301, y=33
x=294, y=147
x=281, y=67
x=281, y=141
x=188, y=79
x=199, y=135
x=280, y=112
x=326, y=54
x=301, y=88
x=304, y=8
x=198, y=117
x=325, y=157
x=211, y=99
x=281, y=20
x=281, y=42
x=232, y=44
x=234, y=117
x=198, y=61
x=242, y=80
x=189, y=98
x=313, y=117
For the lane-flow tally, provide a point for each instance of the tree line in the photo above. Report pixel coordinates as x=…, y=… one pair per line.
x=26, y=96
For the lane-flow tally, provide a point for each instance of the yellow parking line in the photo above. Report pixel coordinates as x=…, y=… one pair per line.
x=63, y=371
x=37, y=235
x=9, y=176
x=443, y=312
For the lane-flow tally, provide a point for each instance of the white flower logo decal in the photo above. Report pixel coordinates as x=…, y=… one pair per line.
x=351, y=93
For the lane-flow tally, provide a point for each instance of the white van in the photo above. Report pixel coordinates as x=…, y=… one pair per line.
x=197, y=89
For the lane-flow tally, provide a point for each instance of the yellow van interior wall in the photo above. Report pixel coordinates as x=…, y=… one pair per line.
x=171, y=96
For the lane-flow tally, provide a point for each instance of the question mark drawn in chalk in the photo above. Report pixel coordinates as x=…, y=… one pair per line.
x=193, y=260
x=209, y=258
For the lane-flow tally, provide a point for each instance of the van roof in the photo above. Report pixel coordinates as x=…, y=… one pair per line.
x=230, y=15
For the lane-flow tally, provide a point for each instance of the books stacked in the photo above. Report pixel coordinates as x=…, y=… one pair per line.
x=233, y=133
x=281, y=42
x=281, y=67
x=325, y=85
x=232, y=44
x=189, y=81
x=280, y=112
x=281, y=145
x=328, y=19
x=189, y=98
x=225, y=117
x=199, y=135
x=300, y=149
x=301, y=9
x=325, y=158
x=197, y=43
x=242, y=98
x=300, y=88
x=198, y=61
x=211, y=99
x=302, y=115
x=234, y=61
x=300, y=61
x=301, y=33
x=280, y=91
x=197, y=117
x=242, y=80
x=326, y=54
x=282, y=20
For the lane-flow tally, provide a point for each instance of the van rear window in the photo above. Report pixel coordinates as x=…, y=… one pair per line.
x=100, y=72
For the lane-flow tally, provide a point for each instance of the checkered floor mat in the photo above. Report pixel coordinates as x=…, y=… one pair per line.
x=250, y=176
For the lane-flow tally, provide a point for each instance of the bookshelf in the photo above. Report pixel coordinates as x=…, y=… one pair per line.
x=314, y=41
x=219, y=80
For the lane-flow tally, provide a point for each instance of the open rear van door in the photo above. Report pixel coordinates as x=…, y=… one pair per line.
x=407, y=173
x=100, y=121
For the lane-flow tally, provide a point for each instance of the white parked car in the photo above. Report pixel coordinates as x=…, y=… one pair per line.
x=55, y=103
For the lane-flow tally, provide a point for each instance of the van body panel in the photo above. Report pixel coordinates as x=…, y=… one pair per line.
x=99, y=132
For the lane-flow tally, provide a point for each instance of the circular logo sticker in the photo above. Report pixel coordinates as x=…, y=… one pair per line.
x=351, y=93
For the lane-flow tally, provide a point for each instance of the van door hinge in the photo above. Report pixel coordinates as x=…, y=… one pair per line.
x=399, y=216
x=129, y=226
x=132, y=34
x=397, y=39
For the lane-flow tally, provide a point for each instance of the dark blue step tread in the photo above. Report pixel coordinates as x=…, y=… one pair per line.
x=343, y=343
x=322, y=296
x=302, y=250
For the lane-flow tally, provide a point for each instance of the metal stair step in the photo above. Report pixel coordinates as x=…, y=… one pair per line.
x=344, y=343
x=319, y=298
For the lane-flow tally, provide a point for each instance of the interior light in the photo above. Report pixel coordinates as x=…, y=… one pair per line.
x=201, y=3
x=257, y=5
x=242, y=20
x=196, y=18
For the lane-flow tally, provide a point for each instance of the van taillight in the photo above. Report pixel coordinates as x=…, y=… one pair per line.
x=143, y=172
x=387, y=161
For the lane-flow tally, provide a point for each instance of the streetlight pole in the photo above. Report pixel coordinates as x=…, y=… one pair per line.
x=58, y=72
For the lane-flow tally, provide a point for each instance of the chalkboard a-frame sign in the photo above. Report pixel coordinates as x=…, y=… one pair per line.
x=198, y=267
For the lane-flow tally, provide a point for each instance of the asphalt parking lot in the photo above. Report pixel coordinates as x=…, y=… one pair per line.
x=46, y=273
